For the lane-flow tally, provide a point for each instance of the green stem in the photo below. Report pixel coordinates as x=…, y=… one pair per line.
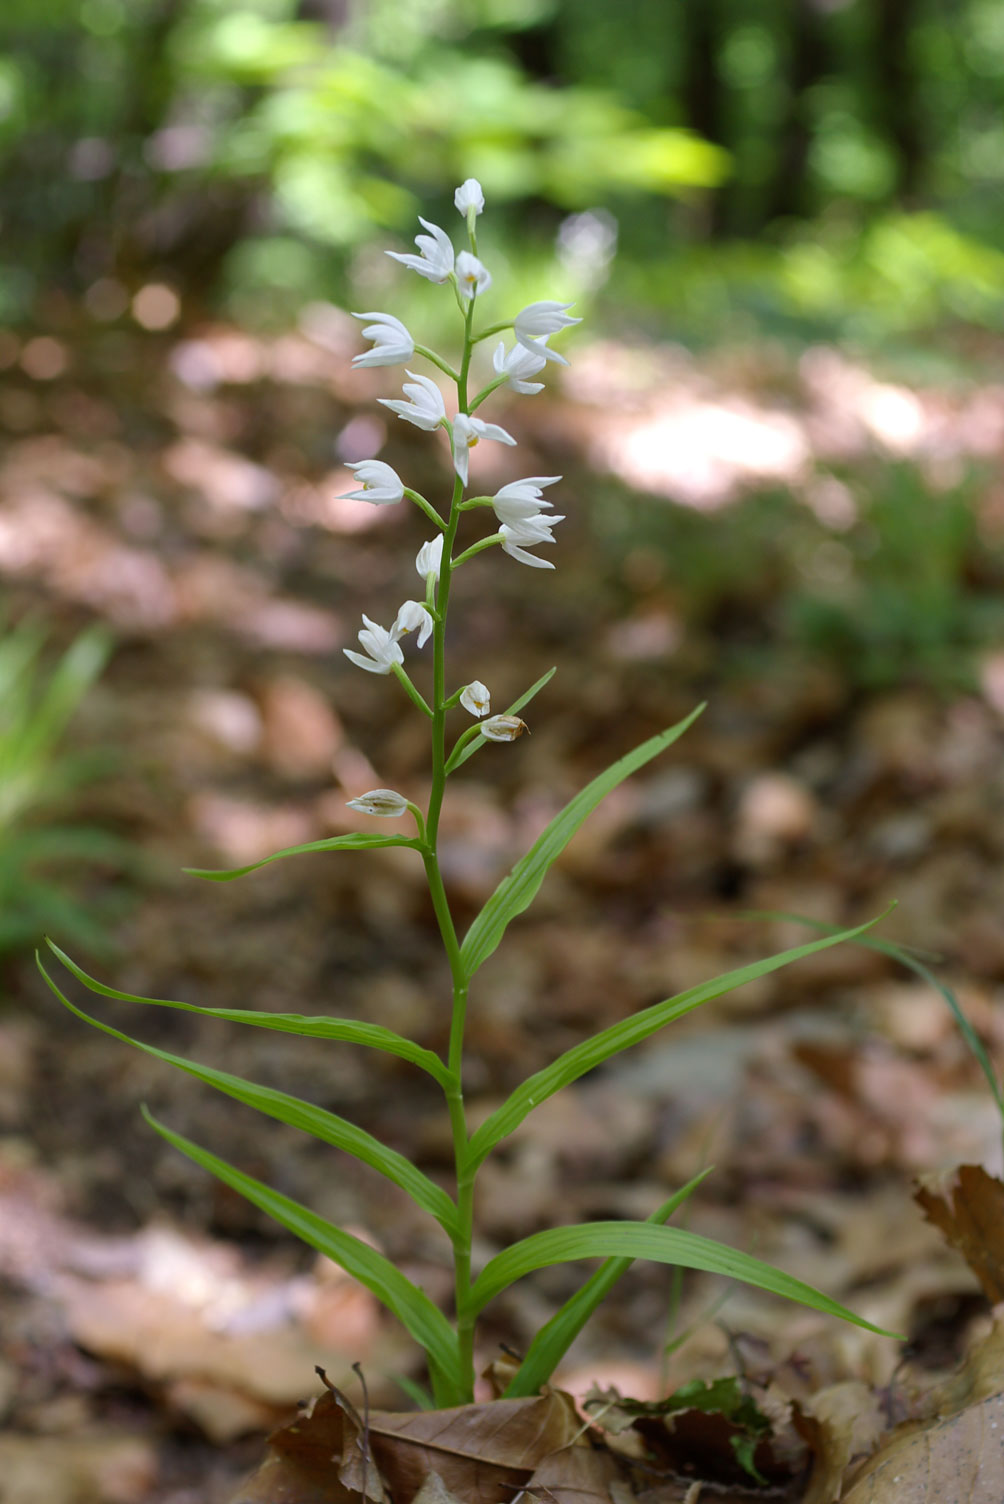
x=413, y=694
x=487, y=391
x=476, y=548
x=454, y=1089
x=425, y=506
x=437, y=360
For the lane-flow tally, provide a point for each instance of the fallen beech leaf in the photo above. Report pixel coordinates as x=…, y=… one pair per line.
x=840, y=1423
x=302, y=1466
x=435, y=1491
x=956, y=1458
x=967, y=1205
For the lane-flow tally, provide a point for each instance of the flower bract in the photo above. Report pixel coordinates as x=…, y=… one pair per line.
x=468, y=197
x=391, y=341
x=384, y=802
x=429, y=559
x=538, y=319
x=472, y=275
x=382, y=646
x=503, y=728
x=381, y=484
x=466, y=433
x=413, y=617
x=436, y=260
x=424, y=407
x=518, y=364
x=476, y=698
x=521, y=499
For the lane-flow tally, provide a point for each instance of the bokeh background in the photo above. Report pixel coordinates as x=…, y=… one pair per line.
x=780, y=435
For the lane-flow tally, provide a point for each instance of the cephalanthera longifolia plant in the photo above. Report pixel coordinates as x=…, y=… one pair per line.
x=524, y=523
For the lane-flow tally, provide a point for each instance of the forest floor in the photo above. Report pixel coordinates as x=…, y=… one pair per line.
x=184, y=488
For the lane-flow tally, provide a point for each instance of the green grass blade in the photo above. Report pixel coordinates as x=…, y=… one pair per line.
x=356, y=841
x=557, y=1335
x=326, y=1126
x=630, y=1031
x=516, y=891
x=908, y=958
x=662, y=1245
x=345, y=1030
x=469, y=750
x=409, y=1304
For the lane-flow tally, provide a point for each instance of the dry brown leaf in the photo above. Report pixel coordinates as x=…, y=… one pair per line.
x=435, y=1491
x=839, y=1423
x=302, y=1463
x=960, y=1457
x=967, y=1205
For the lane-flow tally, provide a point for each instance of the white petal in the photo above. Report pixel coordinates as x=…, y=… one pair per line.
x=469, y=196
x=476, y=699
x=386, y=803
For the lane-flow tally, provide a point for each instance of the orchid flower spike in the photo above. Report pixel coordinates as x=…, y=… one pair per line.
x=383, y=802
x=518, y=364
x=382, y=646
x=429, y=559
x=436, y=260
x=425, y=407
x=466, y=433
x=413, y=617
x=472, y=275
x=528, y=533
x=521, y=500
x=381, y=485
x=538, y=319
x=476, y=699
x=469, y=199
x=392, y=343
x=503, y=728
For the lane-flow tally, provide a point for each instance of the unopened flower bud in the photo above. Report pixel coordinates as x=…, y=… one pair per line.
x=383, y=802
x=503, y=728
x=476, y=698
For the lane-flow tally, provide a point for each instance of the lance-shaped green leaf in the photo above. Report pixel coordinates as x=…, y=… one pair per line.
x=621, y=1036
x=409, y=1304
x=317, y=1121
x=517, y=891
x=661, y=1245
x=557, y=1335
x=345, y=1030
x=468, y=750
x=357, y=841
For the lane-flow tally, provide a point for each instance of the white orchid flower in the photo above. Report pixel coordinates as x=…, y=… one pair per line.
x=436, y=260
x=476, y=699
x=382, y=646
x=466, y=433
x=518, y=364
x=521, y=499
x=413, y=617
x=386, y=803
x=538, y=319
x=425, y=407
x=381, y=485
x=469, y=196
x=528, y=533
x=503, y=728
x=472, y=275
x=429, y=559
x=391, y=341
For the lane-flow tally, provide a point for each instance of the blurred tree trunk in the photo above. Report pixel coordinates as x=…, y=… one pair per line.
x=703, y=92
x=808, y=64
x=898, y=93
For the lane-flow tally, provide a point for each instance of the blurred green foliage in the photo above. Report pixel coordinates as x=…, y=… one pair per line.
x=42, y=846
x=809, y=164
x=906, y=591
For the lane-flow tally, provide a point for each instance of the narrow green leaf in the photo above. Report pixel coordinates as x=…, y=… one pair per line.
x=662, y=1245
x=557, y=1335
x=516, y=892
x=319, y=1123
x=356, y=841
x=409, y=1304
x=907, y=957
x=513, y=709
x=346, y=1030
x=621, y=1036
